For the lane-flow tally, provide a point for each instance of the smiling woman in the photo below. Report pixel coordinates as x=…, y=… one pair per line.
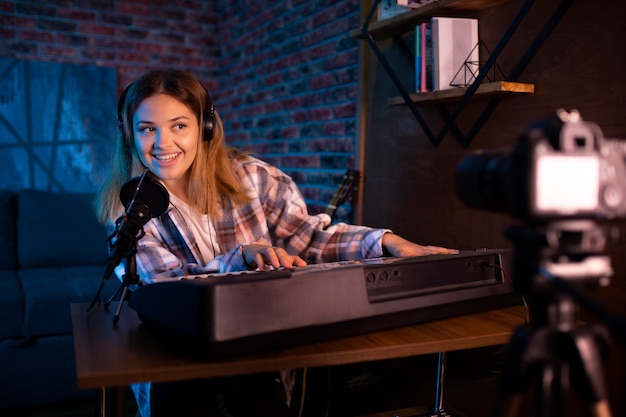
x=228, y=212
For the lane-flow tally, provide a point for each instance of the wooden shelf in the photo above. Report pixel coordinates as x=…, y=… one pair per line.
x=485, y=90
x=406, y=22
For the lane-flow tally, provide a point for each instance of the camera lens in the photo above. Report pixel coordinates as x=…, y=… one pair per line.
x=482, y=181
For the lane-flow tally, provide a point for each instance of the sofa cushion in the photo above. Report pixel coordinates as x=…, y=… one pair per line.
x=48, y=293
x=8, y=254
x=37, y=374
x=11, y=306
x=58, y=229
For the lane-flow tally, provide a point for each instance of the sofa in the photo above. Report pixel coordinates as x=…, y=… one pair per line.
x=53, y=253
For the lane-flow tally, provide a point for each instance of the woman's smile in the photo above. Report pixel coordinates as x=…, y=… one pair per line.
x=166, y=158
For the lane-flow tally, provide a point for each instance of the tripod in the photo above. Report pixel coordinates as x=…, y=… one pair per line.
x=554, y=351
x=124, y=242
x=129, y=278
x=143, y=199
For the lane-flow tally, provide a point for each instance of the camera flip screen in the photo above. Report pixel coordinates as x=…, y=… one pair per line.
x=566, y=184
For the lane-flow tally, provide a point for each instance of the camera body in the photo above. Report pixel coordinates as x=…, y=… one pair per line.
x=560, y=168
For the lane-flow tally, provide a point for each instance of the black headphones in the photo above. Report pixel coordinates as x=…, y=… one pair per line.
x=209, y=115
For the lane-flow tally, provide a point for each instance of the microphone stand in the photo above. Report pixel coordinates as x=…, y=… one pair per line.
x=129, y=278
x=128, y=242
x=144, y=199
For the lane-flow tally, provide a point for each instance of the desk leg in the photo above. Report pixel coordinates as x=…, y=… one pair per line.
x=441, y=377
x=111, y=402
x=438, y=410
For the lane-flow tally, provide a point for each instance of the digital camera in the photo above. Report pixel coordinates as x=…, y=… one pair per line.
x=561, y=167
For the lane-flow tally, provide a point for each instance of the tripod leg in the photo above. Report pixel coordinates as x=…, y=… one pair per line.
x=120, y=304
x=591, y=346
x=601, y=409
x=509, y=398
x=96, y=298
x=111, y=298
x=550, y=388
x=526, y=351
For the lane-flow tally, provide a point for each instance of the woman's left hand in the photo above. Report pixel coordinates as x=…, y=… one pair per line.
x=400, y=247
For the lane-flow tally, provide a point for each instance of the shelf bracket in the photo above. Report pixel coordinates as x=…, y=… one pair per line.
x=450, y=118
x=514, y=75
x=394, y=78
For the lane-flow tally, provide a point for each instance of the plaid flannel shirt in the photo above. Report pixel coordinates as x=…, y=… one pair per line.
x=277, y=215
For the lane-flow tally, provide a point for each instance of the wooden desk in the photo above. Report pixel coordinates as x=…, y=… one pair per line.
x=114, y=356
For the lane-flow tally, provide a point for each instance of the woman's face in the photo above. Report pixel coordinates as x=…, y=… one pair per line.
x=166, y=137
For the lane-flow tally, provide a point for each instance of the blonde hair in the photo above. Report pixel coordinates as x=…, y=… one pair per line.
x=211, y=173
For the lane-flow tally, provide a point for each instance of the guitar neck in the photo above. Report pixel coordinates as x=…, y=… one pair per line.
x=344, y=191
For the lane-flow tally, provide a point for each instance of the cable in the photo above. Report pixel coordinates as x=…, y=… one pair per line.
x=508, y=278
x=302, y=394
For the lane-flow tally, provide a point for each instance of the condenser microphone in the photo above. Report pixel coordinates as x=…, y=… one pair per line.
x=143, y=198
x=143, y=191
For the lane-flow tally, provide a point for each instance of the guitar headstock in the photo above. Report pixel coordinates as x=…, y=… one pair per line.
x=348, y=184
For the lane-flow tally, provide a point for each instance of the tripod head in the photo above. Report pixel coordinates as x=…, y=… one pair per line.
x=569, y=253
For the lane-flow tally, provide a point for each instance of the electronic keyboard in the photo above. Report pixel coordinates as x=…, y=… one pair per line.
x=258, y=310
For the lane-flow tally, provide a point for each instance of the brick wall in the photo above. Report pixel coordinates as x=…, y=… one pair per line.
x=288, y=76
x=283, y=74
x=131, y=36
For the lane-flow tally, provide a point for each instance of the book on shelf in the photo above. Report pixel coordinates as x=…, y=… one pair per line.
x=423, y=58
x=454, y=45
x=414, y=3
x=418, y=58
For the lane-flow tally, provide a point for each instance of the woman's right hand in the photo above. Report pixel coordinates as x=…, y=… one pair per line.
x=261, y=256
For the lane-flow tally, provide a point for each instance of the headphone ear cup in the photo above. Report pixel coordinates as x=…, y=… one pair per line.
x=209, y=119
x=209, y=125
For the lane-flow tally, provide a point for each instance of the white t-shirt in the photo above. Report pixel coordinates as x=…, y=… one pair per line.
x=202, y=228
